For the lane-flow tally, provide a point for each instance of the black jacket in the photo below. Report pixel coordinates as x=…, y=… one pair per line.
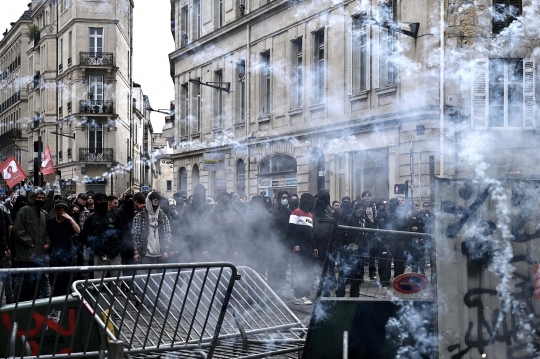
x=103, y=233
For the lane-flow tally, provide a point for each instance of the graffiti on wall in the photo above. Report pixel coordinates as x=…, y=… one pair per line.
x=518, y=326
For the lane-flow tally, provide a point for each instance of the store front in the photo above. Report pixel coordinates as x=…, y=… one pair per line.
x=276, y=173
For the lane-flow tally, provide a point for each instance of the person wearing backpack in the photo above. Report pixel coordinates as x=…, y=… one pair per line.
x=102, y=231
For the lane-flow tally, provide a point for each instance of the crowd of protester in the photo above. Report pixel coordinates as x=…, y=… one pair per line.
x=46, y=229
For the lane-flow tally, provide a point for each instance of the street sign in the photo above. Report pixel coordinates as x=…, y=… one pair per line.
x=145, y=189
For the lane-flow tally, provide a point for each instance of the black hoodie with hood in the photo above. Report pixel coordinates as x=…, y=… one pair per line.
x=280, y=218
x=301, y=226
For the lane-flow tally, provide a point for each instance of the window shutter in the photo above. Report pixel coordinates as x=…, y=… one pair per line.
x=528, y=93
x=479, y=106
x=375, y=58
x=368, y=57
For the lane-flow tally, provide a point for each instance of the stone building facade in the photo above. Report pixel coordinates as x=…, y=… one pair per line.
x=13, y=92
x=337, y=95
x=79, y=91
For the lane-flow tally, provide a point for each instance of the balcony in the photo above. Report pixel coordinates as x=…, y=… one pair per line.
x=69, y=152
x=7, y=138
x=60, y=156
x=60, y=67
x=60, y=111
x=69, y=61
x=69, y=107
x=96, y=59
x=95, y=155
x=96, y=106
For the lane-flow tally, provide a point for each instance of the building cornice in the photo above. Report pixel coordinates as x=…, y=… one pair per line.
x=355, y=126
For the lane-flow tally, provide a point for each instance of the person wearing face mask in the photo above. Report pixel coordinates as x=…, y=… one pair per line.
x=102, y=231
x=277, y=269
x=61, y=229
x=31, y=243
x=293, y=202
x=304, y=248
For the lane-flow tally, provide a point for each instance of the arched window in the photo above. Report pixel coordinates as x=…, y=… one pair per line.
x=241, y=178
x=277, y=164
x=194, y=176
x=182, y=181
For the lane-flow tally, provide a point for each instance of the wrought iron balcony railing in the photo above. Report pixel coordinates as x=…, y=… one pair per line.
x=96, y=106
x=60, y=67
x=69, y=61
x=69, y=107
x=96, y=154
x=60, y=111
x=7, y=137
x=96, y=58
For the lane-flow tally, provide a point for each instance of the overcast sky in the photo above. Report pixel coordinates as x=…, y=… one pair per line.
x=153, y=42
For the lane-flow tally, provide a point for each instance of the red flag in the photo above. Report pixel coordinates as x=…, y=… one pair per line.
x=47, y=166
x=12, y=172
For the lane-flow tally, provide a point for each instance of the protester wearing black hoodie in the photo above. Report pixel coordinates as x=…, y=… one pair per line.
x=280, y=253
x=103, y=232
x=303, y=261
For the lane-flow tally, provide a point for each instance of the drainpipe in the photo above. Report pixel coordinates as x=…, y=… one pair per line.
x=441, y=89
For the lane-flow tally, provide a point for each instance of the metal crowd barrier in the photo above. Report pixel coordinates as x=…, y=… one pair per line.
x=200, y=310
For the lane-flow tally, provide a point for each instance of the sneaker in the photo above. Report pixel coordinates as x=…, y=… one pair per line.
x=302, y=300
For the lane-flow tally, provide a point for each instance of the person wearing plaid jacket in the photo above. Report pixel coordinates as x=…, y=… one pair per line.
x=151, y=232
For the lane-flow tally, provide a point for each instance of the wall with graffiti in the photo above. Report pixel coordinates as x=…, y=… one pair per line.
x=488, y=285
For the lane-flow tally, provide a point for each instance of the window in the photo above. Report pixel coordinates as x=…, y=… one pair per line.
x=95, y=136
x=197, y=18
x=371, y=172
x=70, y=45
x=387, y=58
x=194, y=176
x=240, y=115
x=169, y=185
x=95, y=88
x=359, y=56
x=221, y=13
x=504, y=12
x=196, y=116
x=184, y=110
x=218, y=100
x=185, y=26
x=241, y=178
x=61, y=57
x=96, y=40
x=319, y=66
x=503, y=93
x=265, y=83
x=297, y=77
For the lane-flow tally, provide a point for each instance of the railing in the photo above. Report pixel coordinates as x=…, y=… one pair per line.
x=60, y=111
x=69, y=61
x=69, y=152
x=16, y=97
x=60, y=156
x=10, y=136
x=69, y=107
x=96, y=155
x=96, y=58
x=60, y=67
x=96, y=106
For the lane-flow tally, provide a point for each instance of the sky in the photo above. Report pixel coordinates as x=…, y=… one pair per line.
x=153, y=42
